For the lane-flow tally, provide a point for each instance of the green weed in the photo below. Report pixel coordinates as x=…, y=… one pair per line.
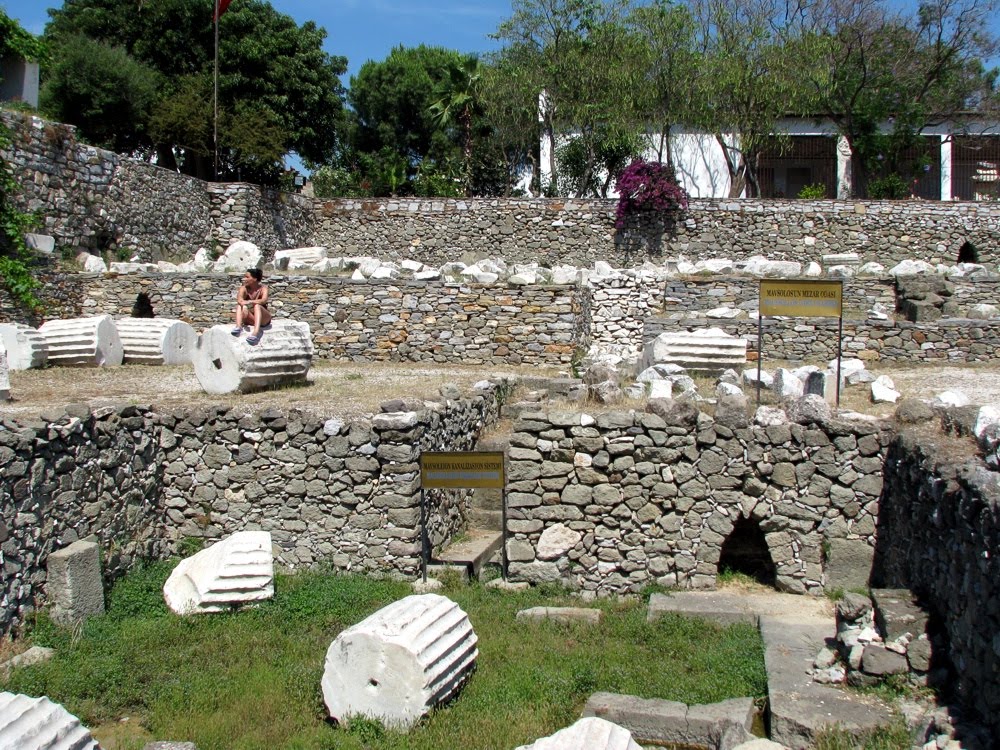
x=895, y=737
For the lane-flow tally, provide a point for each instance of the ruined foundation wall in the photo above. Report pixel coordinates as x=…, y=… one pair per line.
x=346, y=494
x=97, y=200
x=939, y=535
x=644, y=499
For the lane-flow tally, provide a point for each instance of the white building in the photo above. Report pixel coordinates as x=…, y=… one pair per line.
x=965, y=161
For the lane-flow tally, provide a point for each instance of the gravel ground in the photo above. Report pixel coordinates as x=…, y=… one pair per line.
x=349, y=390
x=334, y=389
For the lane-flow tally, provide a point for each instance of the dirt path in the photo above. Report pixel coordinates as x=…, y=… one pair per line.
x=335, y=389
x=352, y=389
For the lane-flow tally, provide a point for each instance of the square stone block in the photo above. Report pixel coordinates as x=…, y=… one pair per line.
x=74, y=586
x=848, y=564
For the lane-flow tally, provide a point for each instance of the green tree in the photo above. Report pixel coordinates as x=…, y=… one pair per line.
x=274, y=79
x=393, y=101
x=882, y=76
x=579, y=53
x=15, y=275
x=668, y=70
x=508, y=146
x=747, y=83
x=15, y=41
x=97, y=87
x=458, y=105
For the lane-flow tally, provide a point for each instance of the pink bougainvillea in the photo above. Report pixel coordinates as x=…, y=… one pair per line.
x=648, y=186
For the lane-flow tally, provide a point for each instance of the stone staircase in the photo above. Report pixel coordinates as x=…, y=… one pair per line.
x=480, y=544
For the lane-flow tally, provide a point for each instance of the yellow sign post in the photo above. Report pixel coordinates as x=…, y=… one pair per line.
x=459, y=471
x=800, y=298
x=466, y=470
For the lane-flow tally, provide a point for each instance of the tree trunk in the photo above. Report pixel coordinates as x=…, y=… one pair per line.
x=737, y=170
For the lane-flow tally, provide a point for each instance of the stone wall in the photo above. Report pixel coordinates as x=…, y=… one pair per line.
x=270, y=219
x=68, y=477
x=939, y=535
x=616, y=502
x=581, y=232
x=374, y=321
x=96, y=200
x=683, y=296
x=344, y=494
x=814, y=341
x=104, y=202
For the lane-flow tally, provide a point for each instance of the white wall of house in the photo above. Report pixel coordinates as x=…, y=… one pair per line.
x=701, y=164
x=19, y=81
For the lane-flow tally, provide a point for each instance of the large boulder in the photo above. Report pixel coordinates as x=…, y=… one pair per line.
x=399, y=663
x=238, y=570
x=92, y=263
x=39, y=724
x=83, y=342
x=238, y=257
x=225, y=363
x=884, y=390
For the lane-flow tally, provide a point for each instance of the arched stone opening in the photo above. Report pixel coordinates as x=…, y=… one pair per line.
x=968, y=253
x=745, y=551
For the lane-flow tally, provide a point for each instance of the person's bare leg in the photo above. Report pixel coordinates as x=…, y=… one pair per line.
x=256, y=320
x=239, y=317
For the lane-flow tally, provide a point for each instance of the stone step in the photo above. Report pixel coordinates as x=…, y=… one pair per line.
x=515, y=410
x=474, y=550
x=487, y=499
x=489, y=520
x=555, y=386
x=799, y=706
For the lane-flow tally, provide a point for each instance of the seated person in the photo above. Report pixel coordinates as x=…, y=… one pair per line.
x=251, y=305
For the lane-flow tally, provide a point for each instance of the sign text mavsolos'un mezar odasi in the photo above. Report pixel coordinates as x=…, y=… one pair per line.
x=801, y=299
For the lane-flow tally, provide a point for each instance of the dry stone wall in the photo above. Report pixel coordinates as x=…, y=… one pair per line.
x=67, y=477
x=100, y=201
x=636, y=498
x=347, y=494
x=939, y=535
x=373, y=321
x=815, y=340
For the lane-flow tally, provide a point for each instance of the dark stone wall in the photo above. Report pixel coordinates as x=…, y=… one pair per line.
x=939, y=535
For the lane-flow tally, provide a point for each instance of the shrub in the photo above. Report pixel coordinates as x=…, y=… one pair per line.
x=648, y=186
x=815, y=191
x=890, y=187
x=15, y=274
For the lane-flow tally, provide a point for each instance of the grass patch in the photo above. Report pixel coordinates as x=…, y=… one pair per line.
x=896, y=737
x=251, y=679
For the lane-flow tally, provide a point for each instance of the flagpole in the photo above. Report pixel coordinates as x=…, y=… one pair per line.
x=215, y=98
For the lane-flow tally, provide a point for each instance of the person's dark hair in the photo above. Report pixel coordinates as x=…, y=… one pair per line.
x=256, y=273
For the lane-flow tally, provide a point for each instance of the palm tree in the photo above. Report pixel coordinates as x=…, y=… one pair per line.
x=457, y=104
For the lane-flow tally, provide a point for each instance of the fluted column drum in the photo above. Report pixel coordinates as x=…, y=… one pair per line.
x=83, y=342
x=156, y=341
x=226, y=364
x=402, y=661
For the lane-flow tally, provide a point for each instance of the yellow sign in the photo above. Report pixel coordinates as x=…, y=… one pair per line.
x=458, y=471
x=801, y=299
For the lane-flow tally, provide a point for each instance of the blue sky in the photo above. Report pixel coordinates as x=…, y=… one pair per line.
x=360, y=30
x=364, y=30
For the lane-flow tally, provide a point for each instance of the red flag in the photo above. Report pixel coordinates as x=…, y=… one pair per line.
x=220, y=8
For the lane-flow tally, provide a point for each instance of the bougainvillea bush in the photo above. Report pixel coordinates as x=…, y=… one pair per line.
x=648, y=186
